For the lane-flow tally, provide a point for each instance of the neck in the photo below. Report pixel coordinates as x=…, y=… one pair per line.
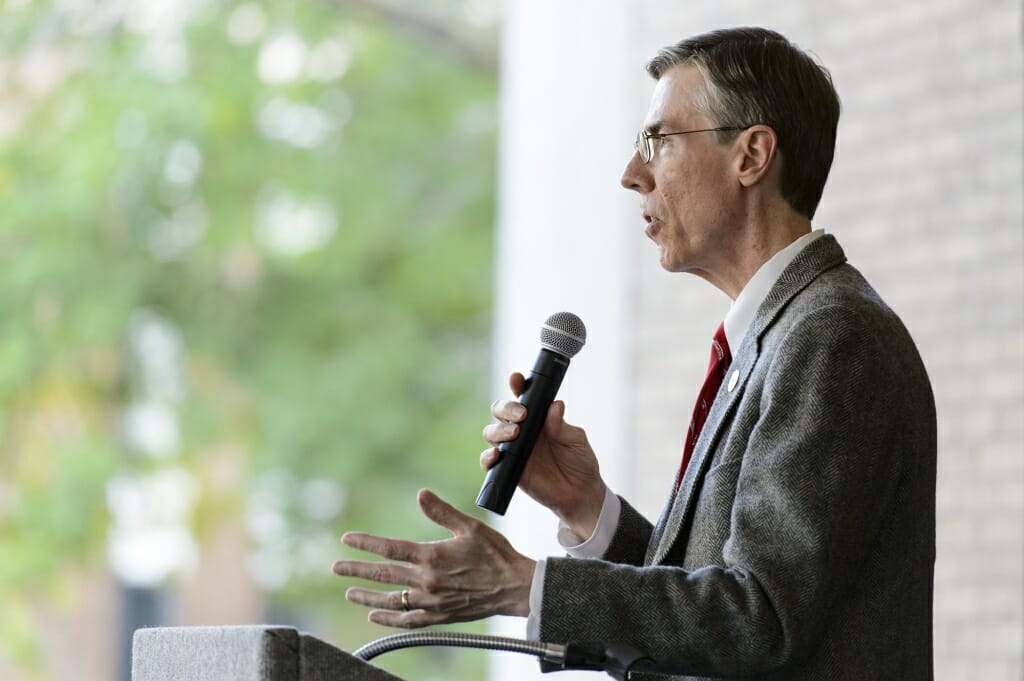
x=751, y=246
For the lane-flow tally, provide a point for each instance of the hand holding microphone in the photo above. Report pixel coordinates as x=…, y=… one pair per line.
x=533, y=446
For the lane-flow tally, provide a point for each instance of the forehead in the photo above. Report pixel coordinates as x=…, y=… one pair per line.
x=673, y=101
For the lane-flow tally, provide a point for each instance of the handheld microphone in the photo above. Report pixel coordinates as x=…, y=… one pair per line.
x=561, y=337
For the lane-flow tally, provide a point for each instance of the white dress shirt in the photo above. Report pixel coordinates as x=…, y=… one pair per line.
x=737, y=321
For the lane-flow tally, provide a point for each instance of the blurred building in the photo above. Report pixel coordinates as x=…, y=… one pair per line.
x=925, y=196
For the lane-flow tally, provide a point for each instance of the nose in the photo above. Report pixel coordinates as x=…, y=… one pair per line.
x=637, y=175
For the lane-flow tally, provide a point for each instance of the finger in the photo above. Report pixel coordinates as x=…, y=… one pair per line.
x=496, y=433
x=391, y=600
x=393, y=549
x=413, y=619
x=489, y=457
x=517, y=383
x=444, y=514
x=383, y=573
x=381, y=600
x=508, y=411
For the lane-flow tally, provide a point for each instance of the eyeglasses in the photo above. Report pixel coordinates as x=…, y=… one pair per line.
x=644, y=143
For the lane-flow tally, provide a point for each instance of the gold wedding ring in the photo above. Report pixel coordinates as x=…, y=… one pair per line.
x=405, y=600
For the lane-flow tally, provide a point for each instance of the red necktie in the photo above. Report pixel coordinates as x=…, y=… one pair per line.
x=718, y=365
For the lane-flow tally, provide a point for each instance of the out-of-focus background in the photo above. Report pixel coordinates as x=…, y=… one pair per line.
x=245, y=296
x=264, y=266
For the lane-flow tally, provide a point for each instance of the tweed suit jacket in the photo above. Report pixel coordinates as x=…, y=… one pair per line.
x=801, y=543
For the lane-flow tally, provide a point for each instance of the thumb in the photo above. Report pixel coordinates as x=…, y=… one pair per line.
x=442, y=513
x=555, y=420
x=558, y=430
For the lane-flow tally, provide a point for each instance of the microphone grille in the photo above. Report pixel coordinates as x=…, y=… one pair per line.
x=564, y=333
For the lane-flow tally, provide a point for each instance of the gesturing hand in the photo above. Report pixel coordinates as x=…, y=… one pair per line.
x=474, y=574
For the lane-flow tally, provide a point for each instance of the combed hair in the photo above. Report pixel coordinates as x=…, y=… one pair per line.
x=756, y=76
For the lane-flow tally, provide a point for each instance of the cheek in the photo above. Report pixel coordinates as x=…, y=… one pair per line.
x=676, y=192
x=684, y=202
x=694, y=194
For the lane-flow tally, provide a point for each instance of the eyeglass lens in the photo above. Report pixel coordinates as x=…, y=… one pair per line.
x=643, y=146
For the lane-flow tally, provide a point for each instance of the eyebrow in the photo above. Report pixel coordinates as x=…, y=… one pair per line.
x=654, y=128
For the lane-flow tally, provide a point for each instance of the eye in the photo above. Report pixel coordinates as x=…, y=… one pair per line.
x=656, y=141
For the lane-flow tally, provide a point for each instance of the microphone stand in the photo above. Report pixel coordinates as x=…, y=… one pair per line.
x=618, y=660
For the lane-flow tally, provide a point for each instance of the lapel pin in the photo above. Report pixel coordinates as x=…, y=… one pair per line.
x=734, y=379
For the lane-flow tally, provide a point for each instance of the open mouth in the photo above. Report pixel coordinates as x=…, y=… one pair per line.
x=652, y=225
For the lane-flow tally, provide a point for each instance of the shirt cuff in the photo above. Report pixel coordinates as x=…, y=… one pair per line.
x=536, y=598
x=597, y=544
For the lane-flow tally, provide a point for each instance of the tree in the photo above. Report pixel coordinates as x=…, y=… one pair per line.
x=263, y=228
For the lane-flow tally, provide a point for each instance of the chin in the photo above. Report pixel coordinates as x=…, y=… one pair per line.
x=670, y=263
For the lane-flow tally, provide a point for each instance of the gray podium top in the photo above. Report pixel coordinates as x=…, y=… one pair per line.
x=243, y=653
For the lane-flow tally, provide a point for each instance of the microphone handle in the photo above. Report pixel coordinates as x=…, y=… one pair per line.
x=541, y=388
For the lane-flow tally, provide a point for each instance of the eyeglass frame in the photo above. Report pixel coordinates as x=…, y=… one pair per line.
x=648, y=137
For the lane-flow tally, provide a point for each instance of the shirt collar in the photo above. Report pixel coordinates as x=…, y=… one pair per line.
x=743, y=309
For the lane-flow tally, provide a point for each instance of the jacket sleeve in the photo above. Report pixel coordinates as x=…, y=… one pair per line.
x=816, y=479
x=629, y=544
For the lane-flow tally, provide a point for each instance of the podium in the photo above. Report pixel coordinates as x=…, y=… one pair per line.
x=243, y=653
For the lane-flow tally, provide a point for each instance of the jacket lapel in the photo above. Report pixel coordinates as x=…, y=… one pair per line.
x=820, y=255
x=676, y=515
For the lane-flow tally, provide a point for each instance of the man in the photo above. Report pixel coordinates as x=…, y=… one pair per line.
x=799, y=540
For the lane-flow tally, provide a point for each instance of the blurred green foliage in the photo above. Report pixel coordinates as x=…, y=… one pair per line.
x=317, y=240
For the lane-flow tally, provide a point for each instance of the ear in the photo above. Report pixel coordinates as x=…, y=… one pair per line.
x=757, y=147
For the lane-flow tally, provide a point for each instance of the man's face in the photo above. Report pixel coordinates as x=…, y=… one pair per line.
x=688, y=192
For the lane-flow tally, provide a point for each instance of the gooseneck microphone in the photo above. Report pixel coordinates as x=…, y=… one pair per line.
x=620, y=660
x=561, y=337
